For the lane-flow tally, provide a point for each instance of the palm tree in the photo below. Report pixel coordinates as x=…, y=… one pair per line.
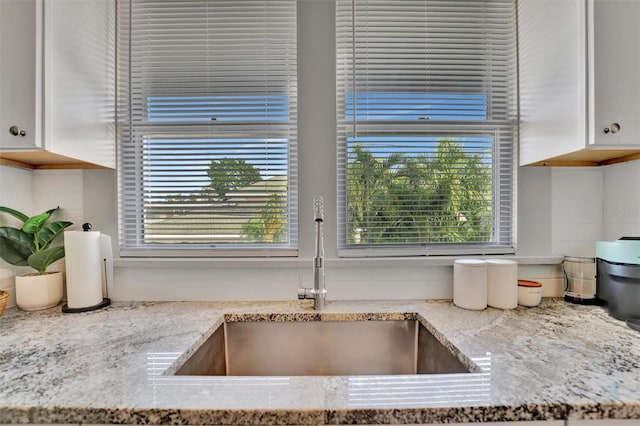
x=270, y=225
x=368, y=182
x=404, y=199
x=463, y=194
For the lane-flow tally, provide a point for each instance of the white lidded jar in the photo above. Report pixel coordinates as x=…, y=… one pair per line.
x=470, y=283
x=502, y=283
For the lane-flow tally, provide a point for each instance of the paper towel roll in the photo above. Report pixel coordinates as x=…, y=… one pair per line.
x=83, y=262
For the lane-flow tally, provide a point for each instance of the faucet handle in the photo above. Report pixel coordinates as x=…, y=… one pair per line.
x=318, y=209
x=304, y=293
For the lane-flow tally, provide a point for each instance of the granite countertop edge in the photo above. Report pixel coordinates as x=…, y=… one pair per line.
x=418, y=415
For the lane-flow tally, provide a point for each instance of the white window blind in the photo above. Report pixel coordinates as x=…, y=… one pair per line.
x=207, y=115
x=426, y=104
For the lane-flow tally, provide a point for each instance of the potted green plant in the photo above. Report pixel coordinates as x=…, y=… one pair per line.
x=31, y=245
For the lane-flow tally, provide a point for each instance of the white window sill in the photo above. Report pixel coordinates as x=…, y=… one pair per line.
x=329, y=263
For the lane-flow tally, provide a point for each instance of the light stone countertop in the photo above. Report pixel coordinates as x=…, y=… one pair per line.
x=556, y=361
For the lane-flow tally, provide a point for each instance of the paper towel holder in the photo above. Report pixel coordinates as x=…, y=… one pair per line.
x=106, y=257
x=105, y=302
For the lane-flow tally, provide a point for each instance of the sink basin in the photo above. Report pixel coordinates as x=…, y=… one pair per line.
x=321, y=348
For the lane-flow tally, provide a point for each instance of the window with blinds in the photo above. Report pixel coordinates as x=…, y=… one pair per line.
x=207, y=116
x=426, y=104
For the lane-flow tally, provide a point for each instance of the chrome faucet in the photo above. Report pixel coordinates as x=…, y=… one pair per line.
x=319, y=292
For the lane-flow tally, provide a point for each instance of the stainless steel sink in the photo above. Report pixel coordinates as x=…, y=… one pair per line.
x=321, y=348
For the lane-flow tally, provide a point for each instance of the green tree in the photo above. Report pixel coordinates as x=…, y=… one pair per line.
x=412, y=200
x=179, y=203
x=230, y=174
x=368, y=182
x=445, y=197
x=270, y=225
x=463, y=192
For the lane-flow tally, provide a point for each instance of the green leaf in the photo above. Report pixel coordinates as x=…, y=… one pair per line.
x=13, y=253
x=50, y=212
x=50, y=232
x=41, y=260
x=15, y=213
x=18, y=237
x=33, y=224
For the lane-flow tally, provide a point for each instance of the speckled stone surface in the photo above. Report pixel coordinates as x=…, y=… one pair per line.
x=556, y=361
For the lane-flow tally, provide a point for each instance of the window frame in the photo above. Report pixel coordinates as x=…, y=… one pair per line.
x=135, y=126
x=504, y=196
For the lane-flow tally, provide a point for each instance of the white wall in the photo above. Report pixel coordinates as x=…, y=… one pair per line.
x=59, y=188
x=562, y=211
x=576, y=210
x=90, y=196
x=621, y=203
x=534, y=211
x=16, y=193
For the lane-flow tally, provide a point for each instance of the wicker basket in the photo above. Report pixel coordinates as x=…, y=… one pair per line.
x=4, y=298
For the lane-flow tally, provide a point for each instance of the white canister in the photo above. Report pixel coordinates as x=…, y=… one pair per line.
x=502, y=283
x=470, y=283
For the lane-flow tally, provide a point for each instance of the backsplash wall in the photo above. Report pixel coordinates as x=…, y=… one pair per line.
x=63, y=188
x=621, y=202
x=15, y=192
x=562, y=211
x=576, y=210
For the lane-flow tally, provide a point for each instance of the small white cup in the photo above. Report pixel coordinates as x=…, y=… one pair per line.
x=529, y=293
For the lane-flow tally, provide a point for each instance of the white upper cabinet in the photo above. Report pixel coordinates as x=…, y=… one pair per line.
x=20, y=79
x=615, y=80
x=57, y=83
x=579, y=81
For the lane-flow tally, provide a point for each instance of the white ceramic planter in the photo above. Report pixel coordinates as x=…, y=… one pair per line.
x=34, y=292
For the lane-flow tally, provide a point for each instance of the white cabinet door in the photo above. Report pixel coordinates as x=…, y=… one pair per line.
x=79, y=82
x=552, y=80
x=20, y=78
x=57, y=85
x=614, y=71
x=579, y=62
